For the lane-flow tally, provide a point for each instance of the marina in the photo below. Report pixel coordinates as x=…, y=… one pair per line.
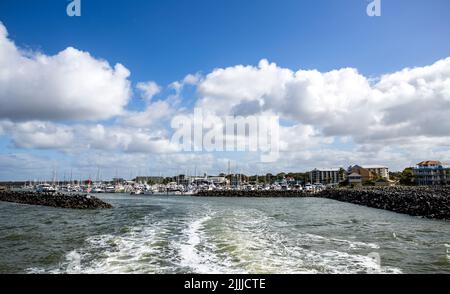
x=262, y=141
x=184, y=234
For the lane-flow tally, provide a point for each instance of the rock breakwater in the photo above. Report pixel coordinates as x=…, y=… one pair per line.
x=58, y=200
x=428, y=202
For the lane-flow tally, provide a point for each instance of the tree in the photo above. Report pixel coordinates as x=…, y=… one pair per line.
x=342, y=173
x=269, y=178
x=407, y=177
x=281, y=176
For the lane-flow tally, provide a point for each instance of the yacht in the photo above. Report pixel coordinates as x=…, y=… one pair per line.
x=97, y=190
x=110, y=189
x=136, y=192
x=309, y=187
x=45, y=188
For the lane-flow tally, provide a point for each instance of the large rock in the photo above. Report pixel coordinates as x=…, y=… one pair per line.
x=59, y=200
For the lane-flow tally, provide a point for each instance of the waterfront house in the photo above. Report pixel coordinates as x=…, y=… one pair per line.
x=431, y=173
x=355, y=179
x=364, y=173
x=327, y=176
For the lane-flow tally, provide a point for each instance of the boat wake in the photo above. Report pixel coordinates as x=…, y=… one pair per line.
x=198, y=253
x=142, y=249
x=225, y=241
x=257, y=243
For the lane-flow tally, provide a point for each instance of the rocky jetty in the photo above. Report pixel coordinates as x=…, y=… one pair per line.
x=257, y=193
x=58, y=200
x=428, y=202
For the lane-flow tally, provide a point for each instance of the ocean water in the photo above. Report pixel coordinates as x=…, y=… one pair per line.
x=219, y=235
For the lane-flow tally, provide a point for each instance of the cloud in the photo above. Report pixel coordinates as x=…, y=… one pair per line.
x=417, y=100
x=329, y=119
x=124, y=139
x=77, y=139
x=190, y=79
x=38, y=135
x=154, y=114
x=25, y=167
x=71, y=85
x=407, y=103
x=148, y=90
x=225, y=89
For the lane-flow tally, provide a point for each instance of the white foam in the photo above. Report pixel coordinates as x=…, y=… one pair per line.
x=225, y=241
x=259, y=248
x=133, y=252
x=74, y=262
x=190, y=256
x=197, y=252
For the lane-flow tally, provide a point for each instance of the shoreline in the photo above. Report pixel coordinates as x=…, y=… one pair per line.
x=427, y=202
x=55, y=200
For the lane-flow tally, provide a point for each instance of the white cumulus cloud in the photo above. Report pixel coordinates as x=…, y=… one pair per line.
x=343, y=102
x=71, y=85
x=148, y=90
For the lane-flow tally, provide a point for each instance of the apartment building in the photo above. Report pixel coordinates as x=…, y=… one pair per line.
x=327, y=176
x=431, y=173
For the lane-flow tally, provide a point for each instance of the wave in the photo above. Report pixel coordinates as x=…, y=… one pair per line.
x=140, y=250
x=261, y=244
x=212, y=241
x=197, y=253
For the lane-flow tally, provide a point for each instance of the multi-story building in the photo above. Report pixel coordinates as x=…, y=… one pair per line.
x=355, y=179
x=327, y=176
x=370, y=172
x=378, y=171
x=431, y=173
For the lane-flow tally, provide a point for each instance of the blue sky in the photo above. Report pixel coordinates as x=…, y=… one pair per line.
x=163, y=41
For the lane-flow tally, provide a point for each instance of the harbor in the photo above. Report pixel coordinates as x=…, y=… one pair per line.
x=204, y=235
x=428, y=202
x=429, y=173
x=322, y=221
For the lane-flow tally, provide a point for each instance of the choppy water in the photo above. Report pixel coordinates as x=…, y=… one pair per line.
x=216, y=235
